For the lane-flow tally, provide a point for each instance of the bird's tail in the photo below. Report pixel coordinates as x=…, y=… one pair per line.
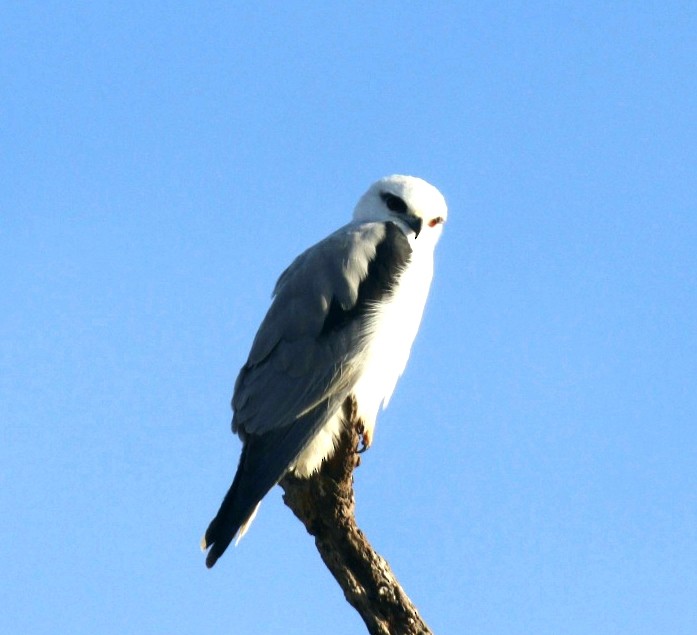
x=232, y=517
x=264, y=460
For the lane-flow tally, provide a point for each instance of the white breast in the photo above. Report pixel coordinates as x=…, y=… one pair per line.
x=391, y=334
x=393, y=330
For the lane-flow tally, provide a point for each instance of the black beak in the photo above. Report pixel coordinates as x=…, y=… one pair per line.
x=415, y=223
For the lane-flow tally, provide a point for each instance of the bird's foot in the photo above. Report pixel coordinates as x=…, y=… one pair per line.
x=365, y=437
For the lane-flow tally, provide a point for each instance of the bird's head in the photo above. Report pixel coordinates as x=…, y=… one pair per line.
x=417, y=207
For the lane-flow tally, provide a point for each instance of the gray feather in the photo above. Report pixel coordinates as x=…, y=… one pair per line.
x=290, y=367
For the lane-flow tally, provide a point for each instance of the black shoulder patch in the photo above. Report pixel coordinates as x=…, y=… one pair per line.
x=391, y=256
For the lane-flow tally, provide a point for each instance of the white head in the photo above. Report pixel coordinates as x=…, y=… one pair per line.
x=417, y=207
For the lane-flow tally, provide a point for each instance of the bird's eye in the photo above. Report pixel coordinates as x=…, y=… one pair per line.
x=394, y=203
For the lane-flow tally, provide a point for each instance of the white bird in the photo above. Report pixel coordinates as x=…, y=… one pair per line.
x=342, y=322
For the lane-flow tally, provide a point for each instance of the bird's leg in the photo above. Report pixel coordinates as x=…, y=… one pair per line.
x=365, y=436
x=352, y=419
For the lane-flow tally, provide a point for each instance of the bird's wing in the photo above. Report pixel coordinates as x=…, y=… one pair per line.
x=305, y=351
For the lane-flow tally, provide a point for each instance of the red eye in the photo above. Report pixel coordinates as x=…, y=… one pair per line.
x=435, y=221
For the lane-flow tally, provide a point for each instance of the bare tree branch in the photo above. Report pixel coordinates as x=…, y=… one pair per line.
x=325, y=504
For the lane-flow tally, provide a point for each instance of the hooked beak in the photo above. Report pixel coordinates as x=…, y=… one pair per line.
x=415, y=223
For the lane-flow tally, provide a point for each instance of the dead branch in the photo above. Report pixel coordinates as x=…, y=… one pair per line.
x=325, y=504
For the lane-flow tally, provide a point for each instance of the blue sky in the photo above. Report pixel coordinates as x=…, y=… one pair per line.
x=162, y=163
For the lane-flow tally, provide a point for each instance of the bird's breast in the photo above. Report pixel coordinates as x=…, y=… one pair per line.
x=390, y=332
x=390, y=335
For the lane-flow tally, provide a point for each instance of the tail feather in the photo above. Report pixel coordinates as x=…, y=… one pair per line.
x=265, y=459
x=253, y=480
x=236, y=512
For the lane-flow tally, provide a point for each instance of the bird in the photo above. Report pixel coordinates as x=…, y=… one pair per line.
x=341, y=325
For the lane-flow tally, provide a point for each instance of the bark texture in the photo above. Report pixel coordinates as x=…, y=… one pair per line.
x=325, y=504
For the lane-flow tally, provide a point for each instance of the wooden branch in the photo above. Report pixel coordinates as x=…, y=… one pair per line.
x=325, y=504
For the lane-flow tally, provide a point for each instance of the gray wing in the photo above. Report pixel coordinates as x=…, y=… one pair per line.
x=300, y=368
x=302, y=353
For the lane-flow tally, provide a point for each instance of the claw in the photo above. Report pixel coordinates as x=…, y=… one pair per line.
x=365, y=437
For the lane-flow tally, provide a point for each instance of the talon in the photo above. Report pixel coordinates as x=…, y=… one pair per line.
x=365, y=437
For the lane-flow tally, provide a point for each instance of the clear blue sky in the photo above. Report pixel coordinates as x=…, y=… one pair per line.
x=161, y=163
